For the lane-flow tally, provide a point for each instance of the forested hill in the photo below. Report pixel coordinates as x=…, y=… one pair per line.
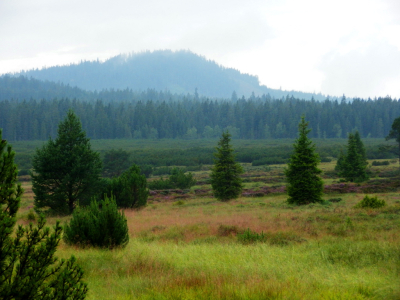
x=179, y=72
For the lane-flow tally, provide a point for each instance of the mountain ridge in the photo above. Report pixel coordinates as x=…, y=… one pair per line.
x=163, y=70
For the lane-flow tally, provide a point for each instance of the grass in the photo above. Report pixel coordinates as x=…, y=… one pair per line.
x=191, y=249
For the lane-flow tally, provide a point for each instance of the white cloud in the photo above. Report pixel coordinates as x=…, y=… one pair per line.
x=363, y=72
x=309, y=45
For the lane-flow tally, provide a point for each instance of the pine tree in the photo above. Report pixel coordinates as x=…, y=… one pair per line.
x=394, y=134
x=353, y=167
x=225, y=174
x=28, y=267
x=304, y=184
x=129, y=189
x=65, y=170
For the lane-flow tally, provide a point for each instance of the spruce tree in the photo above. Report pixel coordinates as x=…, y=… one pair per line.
x=28, y=267
x=65, y=170
x=304, y=184
x=353, y=167
x=394, y=134
x=225, y=174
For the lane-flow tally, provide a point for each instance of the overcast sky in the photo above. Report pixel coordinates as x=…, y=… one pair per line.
x=349, y=47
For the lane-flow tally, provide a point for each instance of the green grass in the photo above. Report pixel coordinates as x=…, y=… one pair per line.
x=328, y=269
x=189, y=247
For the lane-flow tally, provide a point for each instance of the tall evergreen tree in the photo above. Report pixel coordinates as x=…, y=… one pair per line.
x=225, y=174
x=304, y=184
x=354, y=164
x=65, y=170
x=28, y=268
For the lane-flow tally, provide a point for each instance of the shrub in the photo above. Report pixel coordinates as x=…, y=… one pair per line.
x=325, y=159
x=177, y=179
x=277, y=238
x=31, y=216
x=249, y=237
x=371, y=202
x=227, y=230
x=129, y=189
x=160, y=184
x=335, y=200
x=380, y=163
x=98, y=225
x=181, y=181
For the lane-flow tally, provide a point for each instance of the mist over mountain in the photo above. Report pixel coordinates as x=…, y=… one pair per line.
x=179, y=72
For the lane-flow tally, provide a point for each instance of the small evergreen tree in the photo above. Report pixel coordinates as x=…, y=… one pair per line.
x=100, y=225
x=129, y=189
x=65, y=170
x=225, y=174
x=394, y=134
x=28, y=267
x=304, y=184
x=179, y=180
x=354, y=163
x=115, y=162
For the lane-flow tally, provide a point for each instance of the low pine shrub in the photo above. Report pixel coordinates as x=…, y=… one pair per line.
x=177, y=180
x=371, y=202
x=380, y=163
x=276, y=238
x=98, y=225
x=129, y=189
x=250, y=237
x=227, y=230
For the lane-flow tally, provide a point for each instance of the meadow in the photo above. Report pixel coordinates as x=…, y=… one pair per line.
x=187, y=245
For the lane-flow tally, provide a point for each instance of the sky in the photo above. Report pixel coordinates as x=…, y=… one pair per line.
x=349, y=47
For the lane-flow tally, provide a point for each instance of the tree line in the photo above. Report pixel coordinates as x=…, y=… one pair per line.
x=193, y=118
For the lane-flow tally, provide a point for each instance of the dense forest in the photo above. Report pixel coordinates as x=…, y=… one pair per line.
x=192, y=118
x=179, y=72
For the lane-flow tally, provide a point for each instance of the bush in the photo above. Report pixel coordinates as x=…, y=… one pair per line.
x=129, y=189
x=98, y=225
x=180, y=180
x=325, y=159
x=269, y=161
x=372, y=202
x=380, y=163
x=277, y=238
x=177, y=180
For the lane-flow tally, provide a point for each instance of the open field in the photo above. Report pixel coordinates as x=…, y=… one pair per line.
x=169, y=152
x=186, y=245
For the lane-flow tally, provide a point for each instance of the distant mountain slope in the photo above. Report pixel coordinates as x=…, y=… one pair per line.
x=23, y=88
x=178, y=72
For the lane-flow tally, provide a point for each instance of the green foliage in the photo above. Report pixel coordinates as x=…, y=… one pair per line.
x=304, y=184
x=380, y=163
x=394, y=134
x=28, y=267
x=98, y=225
x=278, y=238
x=352, y=165
x=227, y=230
x=177, y=180
x=146, y=170
x=129, y=189
x=65, y=170
x=225, y=174
x=115, y=162
x=371, y=202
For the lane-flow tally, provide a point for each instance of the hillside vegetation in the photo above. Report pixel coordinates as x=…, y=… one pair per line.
x=187, y=245
x=178, y=72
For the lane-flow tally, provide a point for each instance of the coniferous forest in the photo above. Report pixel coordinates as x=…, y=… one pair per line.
x=191, y=117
